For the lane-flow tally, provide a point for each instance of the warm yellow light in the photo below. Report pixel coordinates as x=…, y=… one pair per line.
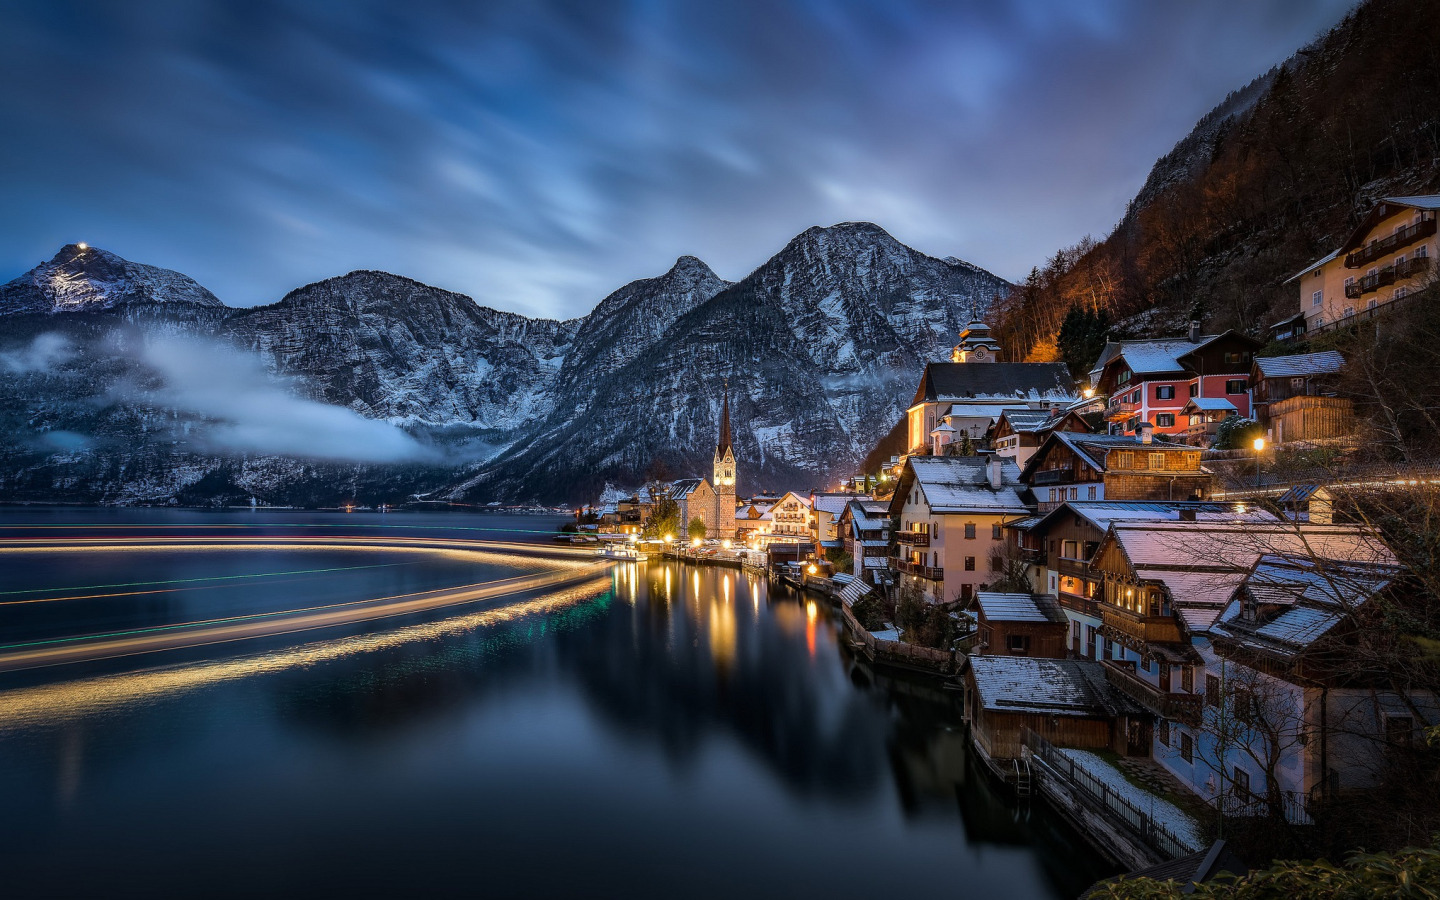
x=634, y=538
x=813, y=569
x=669, y=538
x=1088, y=392
x=810, y=610
x=725, y=543
x=83, y=246
x=694, y=542
x=1259, y=444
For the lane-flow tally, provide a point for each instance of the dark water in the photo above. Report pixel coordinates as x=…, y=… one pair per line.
x=662, y=731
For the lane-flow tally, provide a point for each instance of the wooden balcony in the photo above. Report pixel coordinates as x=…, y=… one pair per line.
x=1115, y=412
x=1053, y=476
x=1080, y=604
x=1148, y=629
x=1387, y=276
x=913, y=538
x=1176, y=705
x=1034, y=556
x=934, y=573
x=1383, y=247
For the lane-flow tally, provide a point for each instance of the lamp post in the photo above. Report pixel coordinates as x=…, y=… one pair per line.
x=1259, y=448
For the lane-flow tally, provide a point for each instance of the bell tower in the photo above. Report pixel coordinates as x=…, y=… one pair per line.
x=976, y=345
x=724, y=473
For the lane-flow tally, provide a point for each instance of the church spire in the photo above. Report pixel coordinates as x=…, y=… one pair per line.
x=724, y=444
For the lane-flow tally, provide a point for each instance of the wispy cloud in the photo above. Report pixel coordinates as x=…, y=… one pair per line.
x=45, y=353
x=229, y=403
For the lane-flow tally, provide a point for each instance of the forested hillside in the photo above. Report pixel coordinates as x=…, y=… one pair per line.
x=1271, y=179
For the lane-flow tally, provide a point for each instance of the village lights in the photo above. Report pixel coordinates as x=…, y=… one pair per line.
x=1259, y=444
x=1088, y=393
x=725, y=543
x=1259, y=448
x=669, y=538
x=812, y=569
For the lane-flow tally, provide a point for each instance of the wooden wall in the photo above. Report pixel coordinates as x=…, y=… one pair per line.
x=1307, y=418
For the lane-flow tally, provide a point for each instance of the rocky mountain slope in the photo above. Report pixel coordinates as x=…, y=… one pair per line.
x=127, y=383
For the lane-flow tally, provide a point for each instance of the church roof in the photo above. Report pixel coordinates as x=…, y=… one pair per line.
x=1000, y=381
x=724, y=445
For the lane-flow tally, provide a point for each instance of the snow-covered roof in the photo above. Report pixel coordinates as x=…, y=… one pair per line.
x=1311, y=596
x=943, y=427
x=1094, y=449
x=684, y=487
x=955, y=484
x=1418, y=201
x=1326, y=362
x=1102, y=513
x=832, y=503
x=1009, y=607
x=1202, y=564
x=1211, y=404
x=1061, y=687
x=991, y=411
x=1329, y=257
x=1159, y=356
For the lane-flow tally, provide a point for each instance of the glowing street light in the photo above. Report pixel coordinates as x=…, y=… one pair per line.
x=1088, y=393
x=812, y=569
x=1259, y=448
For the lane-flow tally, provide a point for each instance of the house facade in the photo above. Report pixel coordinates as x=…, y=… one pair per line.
x=1151, y=381
x=865, y=535
x=1012, y=624
x=1388, y=256
x=1295, y=397
x=951, y=512
x=1018, y=433
x=790, y=516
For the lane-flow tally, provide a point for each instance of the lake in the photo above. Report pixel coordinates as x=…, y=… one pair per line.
x=650, y=730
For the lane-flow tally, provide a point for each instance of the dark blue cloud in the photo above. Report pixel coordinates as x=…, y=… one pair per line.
x=537, y=155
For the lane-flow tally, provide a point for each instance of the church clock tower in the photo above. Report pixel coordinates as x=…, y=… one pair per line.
x=725, y=475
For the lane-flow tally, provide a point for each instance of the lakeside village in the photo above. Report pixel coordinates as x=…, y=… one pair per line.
x=1150, y=622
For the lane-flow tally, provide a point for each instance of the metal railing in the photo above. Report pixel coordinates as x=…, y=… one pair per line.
x=935, y=573
x=1386, y=276
x=1405, y=236
x=913, y=538
x=1098, y=795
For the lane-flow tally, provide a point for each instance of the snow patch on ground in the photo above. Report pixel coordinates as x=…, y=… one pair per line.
x=1166, y=814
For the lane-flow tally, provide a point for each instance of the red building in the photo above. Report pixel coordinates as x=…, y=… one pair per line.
x=1154, y=380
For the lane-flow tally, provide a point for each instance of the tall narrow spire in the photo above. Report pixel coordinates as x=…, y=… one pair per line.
x=724, y=424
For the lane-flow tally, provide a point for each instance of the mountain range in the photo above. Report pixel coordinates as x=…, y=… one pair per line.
x=127, y=383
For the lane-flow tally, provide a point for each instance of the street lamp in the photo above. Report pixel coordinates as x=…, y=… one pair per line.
x=1259, y=448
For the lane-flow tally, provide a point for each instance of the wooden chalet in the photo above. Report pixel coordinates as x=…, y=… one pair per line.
x=1068, y=702
x=1020, y=625
x=1072, y=466
x=1020, y=432
x=1295, y=397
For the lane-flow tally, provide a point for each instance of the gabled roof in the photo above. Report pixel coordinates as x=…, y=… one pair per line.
x=1311, y=596
x=1382, y=210
x=999, y=381
x=868, y=515
x=1006, y=607
x=1326, y=362
x=1202, y=563
x=1059, y=687
x=832, y=503
x=1329, y=257
x=959, y=484
x=1160, y=356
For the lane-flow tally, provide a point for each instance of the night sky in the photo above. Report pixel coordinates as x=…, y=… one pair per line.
x=536, y=156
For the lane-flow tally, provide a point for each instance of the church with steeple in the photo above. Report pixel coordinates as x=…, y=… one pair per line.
x=724, y=474
x=712, y=500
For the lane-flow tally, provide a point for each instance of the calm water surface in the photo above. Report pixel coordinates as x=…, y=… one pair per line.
x=659, y=731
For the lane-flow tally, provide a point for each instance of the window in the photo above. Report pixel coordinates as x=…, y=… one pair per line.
x=1164, y=733
x=1187, y=747
x=969, y=563
x=995, y=564
x=1212, y=690
x=1242, y=784
x=1349, y=311
x=1070, y=549
x=1297, y=384
x=1235, y=385
x=1235, y=359
x=1164, y=420
x=969, y=531
x=1116, y=651
x=1091, y=493
x=1399, y=731
x=1187, y=679
x=1157, y=460
x=1317, y=298
x=1400, y=293
x=1164, y=392
x=1018, y=644
x=1194, y=388
x=1052, y=495
x=1422, y=251
x=1124, y=459
x=1349, y=280
x=995, y=533
x=1074, y=493
x=1245, y=705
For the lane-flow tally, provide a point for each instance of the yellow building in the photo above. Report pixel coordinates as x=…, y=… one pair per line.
x=1385, y=258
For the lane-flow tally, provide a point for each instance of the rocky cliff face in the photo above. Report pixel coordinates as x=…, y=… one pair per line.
x=821, y=346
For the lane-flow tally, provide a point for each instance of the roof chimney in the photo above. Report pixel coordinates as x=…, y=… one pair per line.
x=1194, y=331
x=996, y=475
x=1147, y=432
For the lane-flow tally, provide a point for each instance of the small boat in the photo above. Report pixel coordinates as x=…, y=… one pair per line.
x=621, y=552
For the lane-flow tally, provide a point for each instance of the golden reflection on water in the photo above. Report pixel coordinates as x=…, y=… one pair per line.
x=59, y=703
